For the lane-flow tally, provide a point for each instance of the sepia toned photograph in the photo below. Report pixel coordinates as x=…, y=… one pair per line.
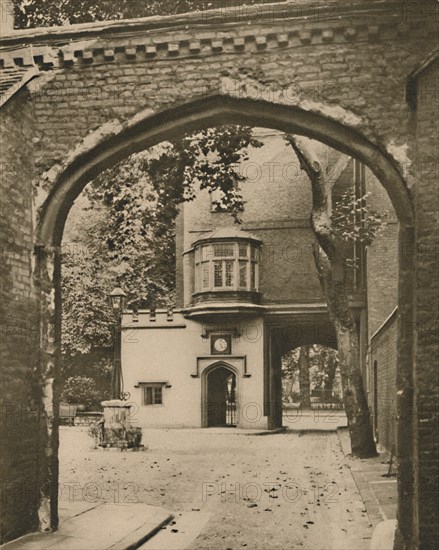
x=219, y=275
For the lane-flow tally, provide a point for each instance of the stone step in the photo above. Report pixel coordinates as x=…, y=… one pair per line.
x=98, y=527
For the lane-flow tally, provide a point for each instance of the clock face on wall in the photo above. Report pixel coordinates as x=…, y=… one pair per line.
x=221, y=344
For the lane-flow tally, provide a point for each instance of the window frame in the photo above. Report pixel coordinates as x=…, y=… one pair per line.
x=153, y=386
x=205, y=254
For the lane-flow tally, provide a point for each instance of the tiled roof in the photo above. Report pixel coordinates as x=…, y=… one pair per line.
x=13, y=76
x=228, y=233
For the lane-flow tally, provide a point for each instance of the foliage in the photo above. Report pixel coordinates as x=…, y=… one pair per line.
x=42, y=13
x=79, y=389
x=290, y=365
x=87, y=319
x=97, y=364
x=126, y=227
x=39, y=13
x=136, y=238
x=141, y=197
x=352, y=220
x=323, y=364
x=322, y=361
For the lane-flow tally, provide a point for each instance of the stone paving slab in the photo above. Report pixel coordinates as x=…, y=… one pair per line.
x=378, y=491
x=386, y=492
x=294, y=420
x=98, y=527
x=178, y=534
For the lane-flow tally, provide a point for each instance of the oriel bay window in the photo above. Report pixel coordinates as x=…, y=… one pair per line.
x=227, y=266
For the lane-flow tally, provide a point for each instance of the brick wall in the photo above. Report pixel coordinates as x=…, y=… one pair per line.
x=382, y=384
x=426, y=172
x=358, y=63
x=20, y=394
x=277, y=210
x=352, y=67
x=382, y=259
x=382, y=277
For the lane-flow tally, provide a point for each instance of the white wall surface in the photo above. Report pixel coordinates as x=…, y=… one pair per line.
x=170, y=355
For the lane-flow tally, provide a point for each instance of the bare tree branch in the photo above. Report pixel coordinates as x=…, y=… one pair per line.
x=310, y=162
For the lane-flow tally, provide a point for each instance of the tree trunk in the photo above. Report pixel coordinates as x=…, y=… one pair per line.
x=305, y=396
x=332, y=273
x=354, y=397
x=330, y=369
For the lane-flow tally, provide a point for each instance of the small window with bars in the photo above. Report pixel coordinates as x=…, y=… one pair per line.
x=152, y=394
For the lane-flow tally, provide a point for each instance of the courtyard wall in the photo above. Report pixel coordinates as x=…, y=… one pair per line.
x=20, y=391
x=382, y=384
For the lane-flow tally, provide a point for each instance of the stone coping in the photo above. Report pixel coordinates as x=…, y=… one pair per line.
x=116, y=403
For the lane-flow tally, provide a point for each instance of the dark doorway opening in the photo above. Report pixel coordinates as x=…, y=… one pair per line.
x=221, y=398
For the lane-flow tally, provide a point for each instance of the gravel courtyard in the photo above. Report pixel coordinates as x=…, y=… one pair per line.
x=282, y=491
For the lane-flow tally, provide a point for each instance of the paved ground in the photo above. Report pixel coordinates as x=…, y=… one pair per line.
x=227, y=489
x=376, y=483
x=97, y=526
x=313, y=420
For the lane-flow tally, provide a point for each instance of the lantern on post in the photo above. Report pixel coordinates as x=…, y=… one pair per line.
x=118, y=301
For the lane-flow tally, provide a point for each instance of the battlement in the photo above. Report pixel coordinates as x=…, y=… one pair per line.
x=150, y=318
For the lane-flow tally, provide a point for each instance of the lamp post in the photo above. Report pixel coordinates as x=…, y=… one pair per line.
x=115, y=426
x=118, y=299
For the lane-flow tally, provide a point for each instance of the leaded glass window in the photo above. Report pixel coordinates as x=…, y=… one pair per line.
x=226, y=266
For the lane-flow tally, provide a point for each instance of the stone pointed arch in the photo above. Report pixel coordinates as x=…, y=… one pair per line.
x=204, y=387
x=221, y=363
x=115, y=141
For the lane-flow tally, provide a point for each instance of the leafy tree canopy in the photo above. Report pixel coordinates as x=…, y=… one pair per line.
x=128, y=228
x=81, y=390
x=43, y=13
x=354, y=221
x=322, y=362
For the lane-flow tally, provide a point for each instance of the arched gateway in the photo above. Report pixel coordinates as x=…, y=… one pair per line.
x=148, y=129
x=104, y=92
x=220, y=401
